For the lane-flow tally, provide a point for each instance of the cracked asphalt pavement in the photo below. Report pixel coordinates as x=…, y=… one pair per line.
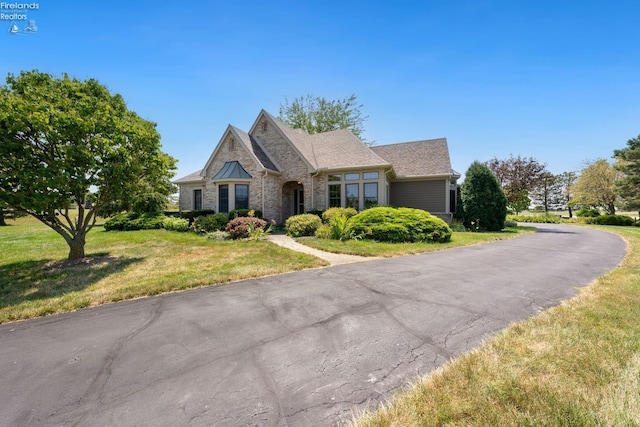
x=297, y=349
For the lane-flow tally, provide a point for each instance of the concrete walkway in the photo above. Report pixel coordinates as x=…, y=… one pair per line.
x=334, y=259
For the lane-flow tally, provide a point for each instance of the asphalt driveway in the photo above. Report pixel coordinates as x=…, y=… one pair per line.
x=296, y=349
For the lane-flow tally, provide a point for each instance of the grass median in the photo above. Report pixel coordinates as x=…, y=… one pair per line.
x=577, y=364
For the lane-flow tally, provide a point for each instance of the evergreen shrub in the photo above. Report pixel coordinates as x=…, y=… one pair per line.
x=387, y=224
x=484, y=202
x=129, y=221
x=612, y=220
x=210, y=223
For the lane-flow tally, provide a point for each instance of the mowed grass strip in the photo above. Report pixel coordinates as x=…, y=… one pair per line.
x=378, y=249
x=577, y=364
x=35, y=280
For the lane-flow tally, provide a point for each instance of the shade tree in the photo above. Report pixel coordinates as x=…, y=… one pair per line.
x=62, y=139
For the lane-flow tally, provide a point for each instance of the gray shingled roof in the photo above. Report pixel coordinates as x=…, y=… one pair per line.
x=337, y=149
x=193, y=177
x=418, y=158
x=340, y=149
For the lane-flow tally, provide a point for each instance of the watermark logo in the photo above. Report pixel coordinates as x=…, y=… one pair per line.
x=20, y=17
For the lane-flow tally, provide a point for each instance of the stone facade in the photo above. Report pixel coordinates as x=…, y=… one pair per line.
x=289, y=170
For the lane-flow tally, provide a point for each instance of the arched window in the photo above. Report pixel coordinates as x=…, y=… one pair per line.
x=232, y=144
x=265, y=126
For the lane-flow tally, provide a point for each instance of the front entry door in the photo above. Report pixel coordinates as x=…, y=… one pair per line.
x=298, y=201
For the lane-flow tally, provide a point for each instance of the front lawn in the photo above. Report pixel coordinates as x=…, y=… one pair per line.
x=35, y=281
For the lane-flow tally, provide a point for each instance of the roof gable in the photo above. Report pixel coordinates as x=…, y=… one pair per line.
x=244, y=141
x=418, y=158
x=297, y=138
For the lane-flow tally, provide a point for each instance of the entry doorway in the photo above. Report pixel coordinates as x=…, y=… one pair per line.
x=298, y=201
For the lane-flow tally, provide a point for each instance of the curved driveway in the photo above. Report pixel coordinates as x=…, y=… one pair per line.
x=296, y=349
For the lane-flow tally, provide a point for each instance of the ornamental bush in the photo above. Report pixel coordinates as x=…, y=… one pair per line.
x=302, y=225
x=242, y=227
x=387, y=224
x=210, y=223
x=332, y=212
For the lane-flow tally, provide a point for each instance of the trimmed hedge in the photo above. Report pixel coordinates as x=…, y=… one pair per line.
x=210, y=223
x=189, y=215
x=544, y=219
x=612, y=220
x=387, y=224
x=302, y=225
x=238, y=213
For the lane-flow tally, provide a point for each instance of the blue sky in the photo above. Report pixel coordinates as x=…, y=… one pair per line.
x=555, y=80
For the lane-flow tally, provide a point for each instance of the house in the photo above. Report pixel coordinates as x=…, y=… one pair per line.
x=284, y=171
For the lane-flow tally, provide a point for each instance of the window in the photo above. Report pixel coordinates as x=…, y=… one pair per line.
x=232, y=144
x=335, y=196
x=335, y=177
x=242, y=196
x=370, y=194
x=197, y=200
x=351, y=176
x=353, y=198
x=223, y=198
x=370, y=175
x=265, y=127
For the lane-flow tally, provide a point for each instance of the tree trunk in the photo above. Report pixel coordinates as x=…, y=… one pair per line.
x=2, y=221
x=570, y=212
x=76, y=247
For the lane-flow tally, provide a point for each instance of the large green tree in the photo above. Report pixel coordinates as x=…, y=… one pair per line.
x=628, y=185
x=483, y=200
x=549, y=192
x=62, y=139
x=596, y=186
x=518, y=176
x=318, y=114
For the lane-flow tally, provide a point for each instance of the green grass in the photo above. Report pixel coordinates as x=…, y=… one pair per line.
x=577, y=364
x=35, y=280
x=377, y=249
